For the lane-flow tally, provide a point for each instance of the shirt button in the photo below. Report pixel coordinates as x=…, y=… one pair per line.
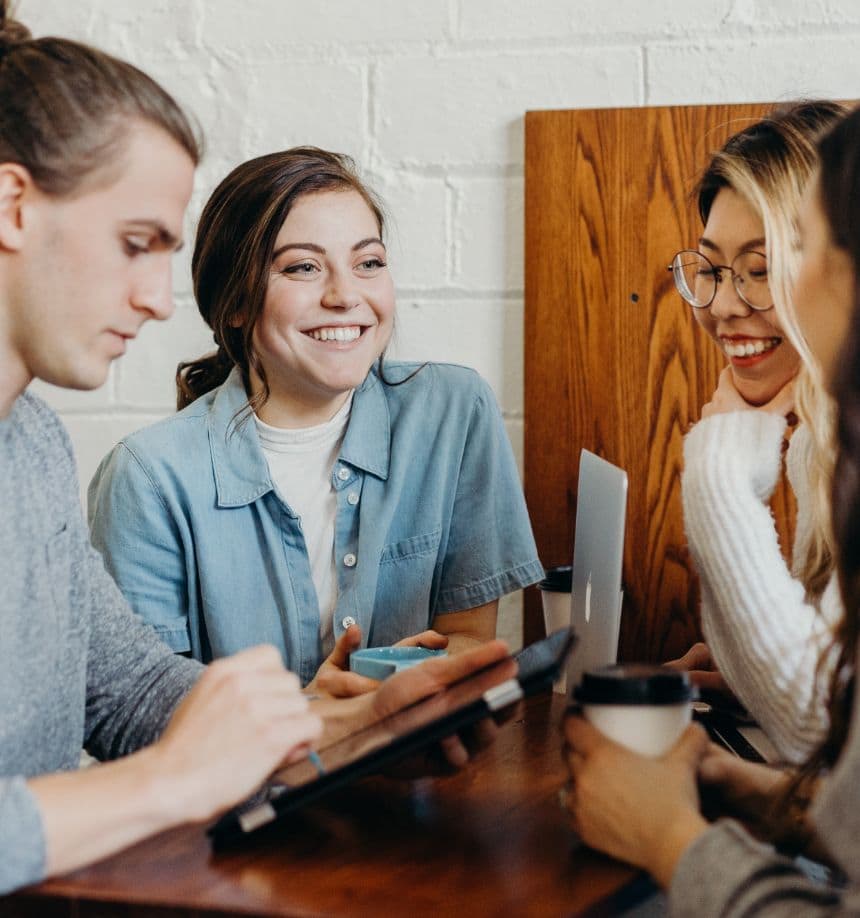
x=349, y=559
x=343, y=473
x=348, y=620
x=352, y=498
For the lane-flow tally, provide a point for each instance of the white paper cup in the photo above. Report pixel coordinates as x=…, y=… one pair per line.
x=555, y=598
x=645, y=708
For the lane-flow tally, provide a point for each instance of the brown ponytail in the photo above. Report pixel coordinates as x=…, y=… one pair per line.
x=196, y=377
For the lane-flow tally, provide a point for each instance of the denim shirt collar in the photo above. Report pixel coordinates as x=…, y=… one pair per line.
x=367, y=444
x=239, y=464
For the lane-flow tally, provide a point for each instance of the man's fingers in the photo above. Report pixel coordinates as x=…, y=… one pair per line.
x=301, y=733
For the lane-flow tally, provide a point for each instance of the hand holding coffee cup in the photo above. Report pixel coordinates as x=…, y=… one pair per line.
x=645, y=708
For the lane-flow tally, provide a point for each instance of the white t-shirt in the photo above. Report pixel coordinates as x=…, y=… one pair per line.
x=300, y=463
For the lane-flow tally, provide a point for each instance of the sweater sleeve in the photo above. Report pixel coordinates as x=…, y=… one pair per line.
x=764, y=636
x=134, y=680
x=23, y=860
x=725, y=872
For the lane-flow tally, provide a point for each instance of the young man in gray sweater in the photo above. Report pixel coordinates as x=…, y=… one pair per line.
x=96, y=168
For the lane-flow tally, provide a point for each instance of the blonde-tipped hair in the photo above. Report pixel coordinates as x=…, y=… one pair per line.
x=769, y=164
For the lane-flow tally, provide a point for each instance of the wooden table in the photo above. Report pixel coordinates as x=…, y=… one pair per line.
x=489, y=841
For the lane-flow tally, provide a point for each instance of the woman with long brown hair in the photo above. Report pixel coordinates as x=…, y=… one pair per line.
x=647, y=811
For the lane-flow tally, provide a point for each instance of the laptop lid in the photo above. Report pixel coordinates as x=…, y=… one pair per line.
x=598, y=553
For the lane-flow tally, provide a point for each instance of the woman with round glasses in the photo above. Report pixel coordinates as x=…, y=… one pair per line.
x=765, y=624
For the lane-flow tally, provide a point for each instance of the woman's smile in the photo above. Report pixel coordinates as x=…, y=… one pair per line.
x=336, y=334
x=747, y=351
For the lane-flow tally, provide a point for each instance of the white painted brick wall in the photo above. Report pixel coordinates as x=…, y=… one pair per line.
x=429, y=98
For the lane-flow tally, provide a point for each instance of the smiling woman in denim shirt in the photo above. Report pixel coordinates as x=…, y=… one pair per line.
x=310, y=494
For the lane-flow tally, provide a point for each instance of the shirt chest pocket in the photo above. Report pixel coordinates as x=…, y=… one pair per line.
x=414, y=547
x=406, y=570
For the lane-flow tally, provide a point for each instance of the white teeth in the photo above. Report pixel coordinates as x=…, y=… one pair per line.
x=750, y=348
x=336, y=333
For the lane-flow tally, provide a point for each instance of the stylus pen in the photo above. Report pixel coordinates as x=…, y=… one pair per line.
x=316, y=761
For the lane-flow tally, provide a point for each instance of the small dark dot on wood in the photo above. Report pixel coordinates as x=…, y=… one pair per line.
x=634, y=297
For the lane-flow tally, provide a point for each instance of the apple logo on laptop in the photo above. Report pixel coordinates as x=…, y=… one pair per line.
x=588, y=599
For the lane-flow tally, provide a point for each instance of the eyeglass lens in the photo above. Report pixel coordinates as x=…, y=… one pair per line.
x=696, y=279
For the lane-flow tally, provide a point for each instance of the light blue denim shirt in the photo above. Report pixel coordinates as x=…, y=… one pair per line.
x=430, y=519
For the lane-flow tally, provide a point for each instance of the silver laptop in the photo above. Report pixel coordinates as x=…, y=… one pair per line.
x=598, y=552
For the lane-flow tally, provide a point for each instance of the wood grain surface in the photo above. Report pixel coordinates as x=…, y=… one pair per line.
x=489, y=841
x=614, y=361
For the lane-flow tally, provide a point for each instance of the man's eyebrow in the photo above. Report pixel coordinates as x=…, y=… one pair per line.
x=165, y=237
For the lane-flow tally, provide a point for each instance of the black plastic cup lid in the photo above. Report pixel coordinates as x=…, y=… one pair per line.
x=558, y=580
x=635, y=684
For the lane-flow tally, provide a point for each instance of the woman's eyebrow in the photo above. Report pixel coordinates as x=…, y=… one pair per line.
x=756, y=243
x=313, y=247
x=306, y=246
x=371, y=240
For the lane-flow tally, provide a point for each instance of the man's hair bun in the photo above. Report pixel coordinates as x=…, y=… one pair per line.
x=12, y=32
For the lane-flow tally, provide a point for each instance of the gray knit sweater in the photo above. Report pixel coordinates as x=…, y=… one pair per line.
x=77, y=667
x=727, y=873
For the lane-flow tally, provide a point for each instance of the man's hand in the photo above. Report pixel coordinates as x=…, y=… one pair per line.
x=245, y=717
x=334, y=679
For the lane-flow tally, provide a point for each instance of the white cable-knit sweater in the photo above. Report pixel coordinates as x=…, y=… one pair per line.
x=764, y=636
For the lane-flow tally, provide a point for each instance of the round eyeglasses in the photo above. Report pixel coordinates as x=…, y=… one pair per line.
x=697, y=278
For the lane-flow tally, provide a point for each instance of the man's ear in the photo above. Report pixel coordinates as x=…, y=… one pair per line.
x=15, y=184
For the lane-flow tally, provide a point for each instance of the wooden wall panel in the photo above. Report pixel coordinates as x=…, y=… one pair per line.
x=613, y=358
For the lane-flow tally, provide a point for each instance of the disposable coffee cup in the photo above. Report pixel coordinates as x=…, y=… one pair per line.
x=555, y=598
x=645, y=708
